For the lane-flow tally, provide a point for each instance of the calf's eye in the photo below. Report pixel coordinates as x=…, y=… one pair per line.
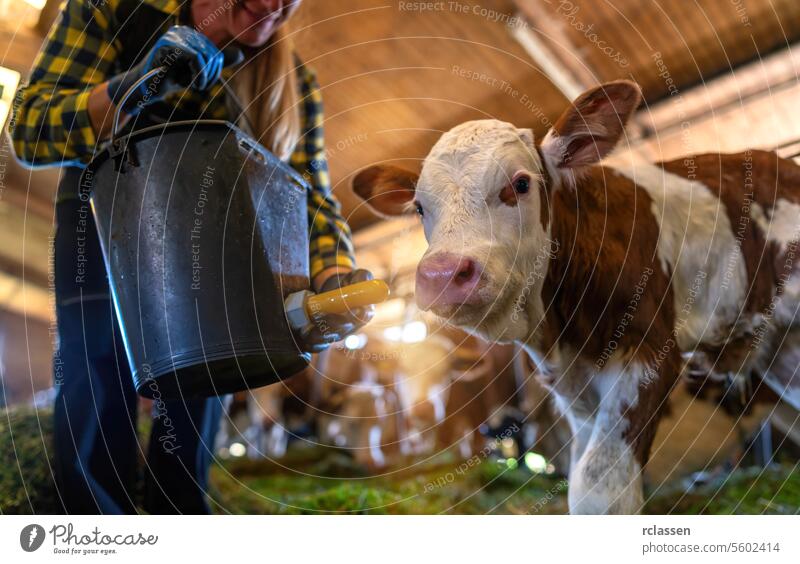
x=420, y=211
x=520, y=184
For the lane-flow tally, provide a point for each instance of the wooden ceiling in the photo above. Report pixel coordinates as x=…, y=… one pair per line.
x=600, y=40
x=395, y=79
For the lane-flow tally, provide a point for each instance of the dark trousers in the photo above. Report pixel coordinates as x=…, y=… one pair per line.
x=96, y=445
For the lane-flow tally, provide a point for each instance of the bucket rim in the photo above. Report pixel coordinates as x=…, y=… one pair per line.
x=120, y=145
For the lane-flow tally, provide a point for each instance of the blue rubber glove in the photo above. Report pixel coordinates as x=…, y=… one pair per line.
x=191, y=60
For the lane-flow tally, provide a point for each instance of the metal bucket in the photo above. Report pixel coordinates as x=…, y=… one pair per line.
x=204, y=232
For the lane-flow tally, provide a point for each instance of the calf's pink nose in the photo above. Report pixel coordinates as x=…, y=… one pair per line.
x=447, y=279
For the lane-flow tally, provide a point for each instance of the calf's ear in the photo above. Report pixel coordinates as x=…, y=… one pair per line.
x=387, y=189
x=591, y=127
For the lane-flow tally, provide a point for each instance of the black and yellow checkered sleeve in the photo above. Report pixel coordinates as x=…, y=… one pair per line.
x=51, y=123
x=329, y=238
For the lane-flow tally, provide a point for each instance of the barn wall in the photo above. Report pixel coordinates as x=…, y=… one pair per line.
x=763, y=122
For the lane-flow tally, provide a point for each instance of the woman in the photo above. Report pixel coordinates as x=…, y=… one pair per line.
x=92, y=56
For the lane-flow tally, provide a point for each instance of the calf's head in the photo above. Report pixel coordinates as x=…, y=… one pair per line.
x=484, y=197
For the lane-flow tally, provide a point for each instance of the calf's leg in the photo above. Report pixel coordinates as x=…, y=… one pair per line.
x=606, y=477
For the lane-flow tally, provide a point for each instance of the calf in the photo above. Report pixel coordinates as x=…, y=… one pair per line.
x=360, y=408
x=276, y=413
x=483, y=399
x=606, y=275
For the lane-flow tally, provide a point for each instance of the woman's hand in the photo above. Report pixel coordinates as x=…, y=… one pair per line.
x=328, y=329
x=190, y=60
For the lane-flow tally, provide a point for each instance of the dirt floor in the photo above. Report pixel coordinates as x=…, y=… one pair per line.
x=321, y=480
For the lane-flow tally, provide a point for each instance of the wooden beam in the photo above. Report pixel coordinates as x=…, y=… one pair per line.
x=568, y=70
x=759, y=78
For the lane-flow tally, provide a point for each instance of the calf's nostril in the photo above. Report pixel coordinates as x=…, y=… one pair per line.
x=466, y=272
x=446, y=279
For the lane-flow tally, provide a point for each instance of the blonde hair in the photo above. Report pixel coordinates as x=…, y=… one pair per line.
x=267, y=89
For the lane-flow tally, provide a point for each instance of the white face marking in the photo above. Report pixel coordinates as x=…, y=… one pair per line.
x=459, y=191
x=698, y=246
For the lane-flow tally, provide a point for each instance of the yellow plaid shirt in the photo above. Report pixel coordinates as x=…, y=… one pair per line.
x=51, y=124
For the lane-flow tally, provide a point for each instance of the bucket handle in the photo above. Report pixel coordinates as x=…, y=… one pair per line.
x=150, y=74
x=251, y=145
